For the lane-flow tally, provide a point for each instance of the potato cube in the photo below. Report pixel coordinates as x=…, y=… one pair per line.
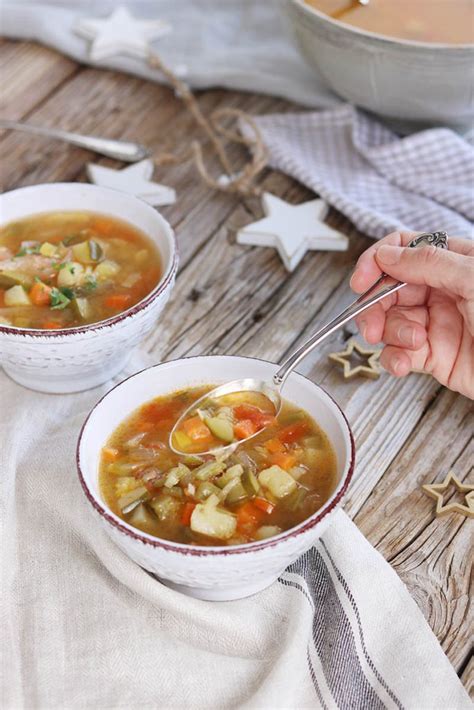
x=277, y=481
x=16, y=296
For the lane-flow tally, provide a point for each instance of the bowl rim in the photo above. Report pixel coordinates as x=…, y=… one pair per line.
x=202, y=550
x=387, y=39
x=160, y=287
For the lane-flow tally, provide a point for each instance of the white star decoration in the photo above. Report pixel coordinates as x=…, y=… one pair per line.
x=120, y=33
x=135, y=180
x=292, y=230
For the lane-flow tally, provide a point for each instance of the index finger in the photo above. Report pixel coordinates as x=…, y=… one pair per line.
x=367, y=271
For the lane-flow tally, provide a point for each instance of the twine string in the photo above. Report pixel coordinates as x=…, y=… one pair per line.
x=239, y=181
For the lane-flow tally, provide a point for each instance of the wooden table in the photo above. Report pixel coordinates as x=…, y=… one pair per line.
x=240, y=300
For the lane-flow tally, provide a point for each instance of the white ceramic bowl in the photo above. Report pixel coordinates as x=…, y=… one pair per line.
x=215, y=573
x=75, y=359
x=415, y=84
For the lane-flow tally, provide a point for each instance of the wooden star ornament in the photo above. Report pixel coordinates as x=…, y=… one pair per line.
x=120, y=33
x=371, y=369
x=436, y=491
x=135, y=179
x=292, y=230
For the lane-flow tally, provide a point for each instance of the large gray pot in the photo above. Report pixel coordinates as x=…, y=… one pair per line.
x=414, y=84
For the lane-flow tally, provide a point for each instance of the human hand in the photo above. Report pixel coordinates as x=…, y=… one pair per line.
x=429, y=324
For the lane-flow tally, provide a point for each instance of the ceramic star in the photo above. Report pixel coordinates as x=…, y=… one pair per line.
x=292, y=229
x=371, y=369
x=135, y=180
x=120, y=33
x=436, y=490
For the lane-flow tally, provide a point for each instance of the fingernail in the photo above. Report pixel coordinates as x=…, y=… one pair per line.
x=396, y=366
x=406, y=335
x=389, y=254
x=352, y=278
x=363, y=328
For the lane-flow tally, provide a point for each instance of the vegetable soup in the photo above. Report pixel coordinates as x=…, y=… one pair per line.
x=268, y=485
x=223, y=421
x=445, y=21
x=67, y=269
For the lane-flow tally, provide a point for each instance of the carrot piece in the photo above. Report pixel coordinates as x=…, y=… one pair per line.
x=254, y=414
x=109, y=453
x=102, y=226
x=264, y=504
x=51, y=324
x=248, y=517
x=247, y=411
x=244, y=428
x=284, y=459
x=187, y=512
x=117, y=300
x=145, y=426
x=40, y=294
x=274, y=446
x=293, y=432
x=196, y=429
x=161, y=410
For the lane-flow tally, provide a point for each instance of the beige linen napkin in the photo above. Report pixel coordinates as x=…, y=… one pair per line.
x=84, y=627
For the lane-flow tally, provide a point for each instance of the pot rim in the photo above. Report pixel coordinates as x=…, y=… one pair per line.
x=309, y=10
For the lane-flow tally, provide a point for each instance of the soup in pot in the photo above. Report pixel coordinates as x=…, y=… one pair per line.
x=444, y=21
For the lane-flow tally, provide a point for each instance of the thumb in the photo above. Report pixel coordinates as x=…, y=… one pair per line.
x=429, y=266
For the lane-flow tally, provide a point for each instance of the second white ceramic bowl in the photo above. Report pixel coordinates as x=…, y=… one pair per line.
x=75, y=359
x=214, y=573
x=414, y=84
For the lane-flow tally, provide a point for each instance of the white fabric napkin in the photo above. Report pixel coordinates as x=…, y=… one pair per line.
x=238, y=44
x=381, y=182
x=84, y=627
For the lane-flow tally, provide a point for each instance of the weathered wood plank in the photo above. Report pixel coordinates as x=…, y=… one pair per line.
x=121, y=106
x=234, y=299
x=250, y=306
x=433, y=556
x=29, y=74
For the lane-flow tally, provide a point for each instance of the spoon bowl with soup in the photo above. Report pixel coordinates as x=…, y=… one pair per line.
x=221, y=420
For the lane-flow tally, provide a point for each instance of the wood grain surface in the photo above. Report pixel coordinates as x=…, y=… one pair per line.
x=234, y=299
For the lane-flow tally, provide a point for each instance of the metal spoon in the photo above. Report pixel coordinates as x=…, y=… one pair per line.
x=120, y=150
x=352, y=5
x=384, y=286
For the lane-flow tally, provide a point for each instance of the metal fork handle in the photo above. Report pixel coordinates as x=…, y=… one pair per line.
x=120, y=150
x=384, y=286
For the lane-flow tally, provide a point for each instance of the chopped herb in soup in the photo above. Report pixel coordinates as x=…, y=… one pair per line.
x=445, y=21
x=268, y=485
x=67, y=269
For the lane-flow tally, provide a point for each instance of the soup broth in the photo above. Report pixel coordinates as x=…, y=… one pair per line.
x=67, y=269
x=444, y=21
x=268, y=485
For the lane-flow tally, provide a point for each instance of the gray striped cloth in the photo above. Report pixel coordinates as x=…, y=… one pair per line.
x=424, y=182
x=85, y=627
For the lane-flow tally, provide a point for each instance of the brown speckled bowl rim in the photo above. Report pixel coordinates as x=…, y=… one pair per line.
x=160, y=287
x=201, y=550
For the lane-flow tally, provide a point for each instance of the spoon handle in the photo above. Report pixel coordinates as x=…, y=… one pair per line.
x=384, y=286
x=120, y=150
